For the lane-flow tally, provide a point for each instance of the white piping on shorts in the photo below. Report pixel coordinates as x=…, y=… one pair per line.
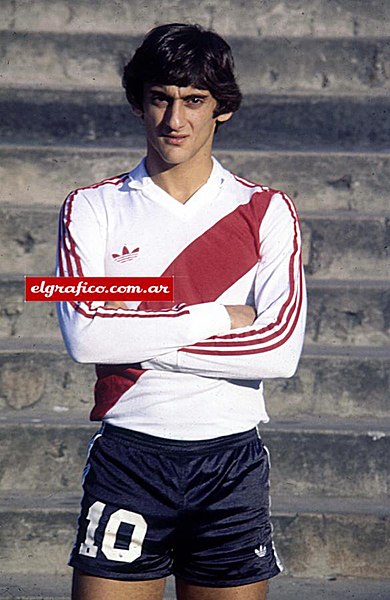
x=278, y=561
x=91, y=443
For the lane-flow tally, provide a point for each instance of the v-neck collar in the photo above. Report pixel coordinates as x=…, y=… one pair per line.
x=140, y=179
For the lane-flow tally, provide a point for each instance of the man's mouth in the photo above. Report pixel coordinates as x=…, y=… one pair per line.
x=175, y=140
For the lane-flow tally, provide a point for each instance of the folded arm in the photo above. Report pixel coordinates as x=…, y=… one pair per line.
x=95, y=332
x=272, y=345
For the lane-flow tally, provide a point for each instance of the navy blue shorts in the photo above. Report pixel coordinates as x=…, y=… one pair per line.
x=154, y=506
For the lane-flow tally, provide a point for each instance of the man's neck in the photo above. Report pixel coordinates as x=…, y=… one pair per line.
x=180, y=181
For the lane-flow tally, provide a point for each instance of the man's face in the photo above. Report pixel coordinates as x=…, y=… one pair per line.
x=179, y=124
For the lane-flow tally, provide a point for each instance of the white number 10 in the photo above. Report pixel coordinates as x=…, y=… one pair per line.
x=89, y=548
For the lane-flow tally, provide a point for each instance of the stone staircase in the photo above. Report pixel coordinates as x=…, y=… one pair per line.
x=315, y=123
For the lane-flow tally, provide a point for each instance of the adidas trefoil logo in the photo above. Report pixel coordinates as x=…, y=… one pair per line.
x=261, y=551
x=126, y=255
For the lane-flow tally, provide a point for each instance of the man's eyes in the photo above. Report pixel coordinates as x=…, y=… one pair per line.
x=195, y=100
x=157, y=99
x=160, y=100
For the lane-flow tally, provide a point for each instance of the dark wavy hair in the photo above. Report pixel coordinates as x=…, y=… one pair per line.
x=183, y=55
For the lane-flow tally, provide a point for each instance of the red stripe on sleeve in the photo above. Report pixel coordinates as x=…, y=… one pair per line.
x=258, y=350
x=284, y=323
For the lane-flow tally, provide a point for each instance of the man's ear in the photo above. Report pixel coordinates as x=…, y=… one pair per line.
x=224, y=117
x=137, y=111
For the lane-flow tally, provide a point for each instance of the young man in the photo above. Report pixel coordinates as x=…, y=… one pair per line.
x=177, y=478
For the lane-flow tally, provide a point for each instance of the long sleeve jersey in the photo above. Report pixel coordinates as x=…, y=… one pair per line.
x=177, y=369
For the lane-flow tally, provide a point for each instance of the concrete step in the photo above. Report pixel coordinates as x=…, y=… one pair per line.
x=316, y=180
x=264, y=122
x=284, y=18
x=346, y=382
x=332, y=588
x=37, y=587
x=338, y=537
x=43, y=377
x=264, y=65
x=284, y=587
x=339, y=313
x=344, y=246
x=348, y=313
x=322, y=456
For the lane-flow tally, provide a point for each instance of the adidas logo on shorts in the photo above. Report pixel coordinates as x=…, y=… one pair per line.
x=261, y=551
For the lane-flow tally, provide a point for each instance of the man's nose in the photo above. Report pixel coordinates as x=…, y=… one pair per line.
x=174, y=116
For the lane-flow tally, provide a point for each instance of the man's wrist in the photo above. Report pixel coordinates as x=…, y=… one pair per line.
x=212, y=319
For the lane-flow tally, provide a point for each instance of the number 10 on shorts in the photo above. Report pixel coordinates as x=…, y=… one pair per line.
x=127, y=555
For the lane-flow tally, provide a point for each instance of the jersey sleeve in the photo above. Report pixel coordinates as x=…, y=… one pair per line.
x=95, y=334
x=272, y=346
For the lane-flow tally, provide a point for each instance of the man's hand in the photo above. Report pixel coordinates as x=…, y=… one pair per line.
x=115, y=304
x=241, y=315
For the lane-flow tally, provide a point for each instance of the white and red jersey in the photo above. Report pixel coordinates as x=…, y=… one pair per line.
x=176, y=369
